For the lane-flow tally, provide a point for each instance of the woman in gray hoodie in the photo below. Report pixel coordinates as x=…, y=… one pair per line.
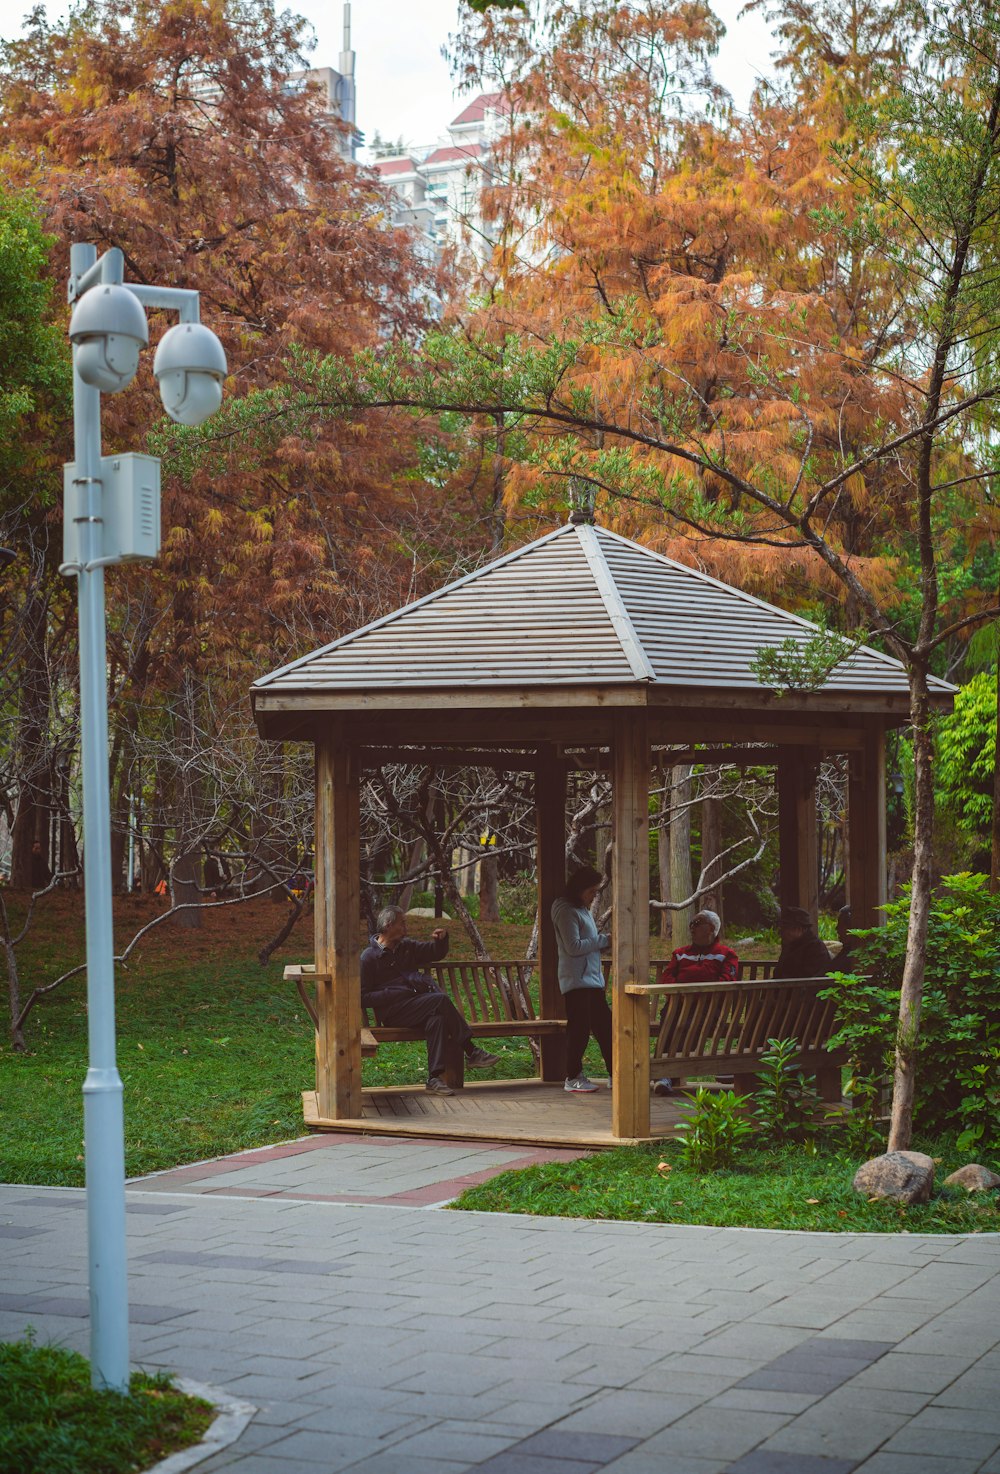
x=581, y=979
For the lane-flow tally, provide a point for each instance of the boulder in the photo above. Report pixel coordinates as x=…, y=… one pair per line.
x=427, y=911
x=906, y=1177
x=973, y=1178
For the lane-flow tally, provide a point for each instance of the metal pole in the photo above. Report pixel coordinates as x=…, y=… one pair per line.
x=102, y=1089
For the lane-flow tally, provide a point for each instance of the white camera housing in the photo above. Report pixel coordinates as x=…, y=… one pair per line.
x=190, y=366
x=108, y=329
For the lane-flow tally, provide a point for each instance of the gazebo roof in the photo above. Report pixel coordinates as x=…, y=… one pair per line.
x=580, y=606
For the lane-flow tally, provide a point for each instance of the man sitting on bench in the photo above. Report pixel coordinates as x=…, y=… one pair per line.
x=403, y=997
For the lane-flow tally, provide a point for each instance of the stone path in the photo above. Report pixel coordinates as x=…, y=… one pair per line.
x=378, y=1334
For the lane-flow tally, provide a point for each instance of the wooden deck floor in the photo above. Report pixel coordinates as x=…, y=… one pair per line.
x=521, y=1111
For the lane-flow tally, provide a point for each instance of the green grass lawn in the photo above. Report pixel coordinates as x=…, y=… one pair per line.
x=790, y=1188
x=53, y=1422
x=214, y=1050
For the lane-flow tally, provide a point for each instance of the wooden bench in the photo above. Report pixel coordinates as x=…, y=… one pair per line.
x=708, y=1028
x=723, y=1028
x=494, y=998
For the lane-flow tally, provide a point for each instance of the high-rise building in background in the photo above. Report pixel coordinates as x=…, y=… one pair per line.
x=337, y=93
x=437, y=190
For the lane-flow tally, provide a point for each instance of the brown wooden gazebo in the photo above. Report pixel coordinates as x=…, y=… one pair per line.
x=582, y=641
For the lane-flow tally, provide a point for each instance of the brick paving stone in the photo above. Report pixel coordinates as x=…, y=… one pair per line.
x=388, y=1461
x=763, y=1401
x=912, y=1373
x=640, y=1461
x=326, y=1450
x=981, y=1419
x=468, y=1446
x=948, y=1443
x=514, y=1462
x=628, y=1412
x=717, y=1431
x=886, y=1463
x=559, y=1442
x=772, y=1461
x=823, y=1430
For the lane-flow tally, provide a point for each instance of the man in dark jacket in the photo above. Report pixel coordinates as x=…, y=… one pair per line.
x=802, y=955
x=404, y=997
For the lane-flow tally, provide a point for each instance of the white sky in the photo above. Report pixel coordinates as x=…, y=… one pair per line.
x=404, y=89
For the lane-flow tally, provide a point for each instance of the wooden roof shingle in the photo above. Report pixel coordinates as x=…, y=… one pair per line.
x=581, y=606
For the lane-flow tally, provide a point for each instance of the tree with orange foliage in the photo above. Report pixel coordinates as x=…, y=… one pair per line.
x=171, y=132
x=782, y=336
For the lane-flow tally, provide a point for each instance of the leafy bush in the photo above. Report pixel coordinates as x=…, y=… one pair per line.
x=712, y=1130
x=518, y=899
x=966, y=745
x=959, y=1042
x=785, y=1102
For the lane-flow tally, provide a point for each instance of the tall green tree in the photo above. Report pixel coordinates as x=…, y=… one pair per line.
x=34, y=414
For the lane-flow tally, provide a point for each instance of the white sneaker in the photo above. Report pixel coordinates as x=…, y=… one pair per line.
x=580, y=1085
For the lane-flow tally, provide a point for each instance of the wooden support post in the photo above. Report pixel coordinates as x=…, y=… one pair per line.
x=797, y=829
x=630, y=924
x=550, y=810
x=338, y=930
x=867, y=877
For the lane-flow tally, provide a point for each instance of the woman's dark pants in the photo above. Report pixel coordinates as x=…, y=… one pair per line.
x=587, y=1013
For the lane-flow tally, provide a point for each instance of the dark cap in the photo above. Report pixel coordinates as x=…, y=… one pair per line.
x=795, y=916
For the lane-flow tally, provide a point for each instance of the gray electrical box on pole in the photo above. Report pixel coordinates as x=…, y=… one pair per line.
x=130, y=509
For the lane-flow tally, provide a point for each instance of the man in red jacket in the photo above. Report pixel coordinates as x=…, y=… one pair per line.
x=704, y=960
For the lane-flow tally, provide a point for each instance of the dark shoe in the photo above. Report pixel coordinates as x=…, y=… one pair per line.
x=436, y=1086
x=481, y=1059
x=663, y=1087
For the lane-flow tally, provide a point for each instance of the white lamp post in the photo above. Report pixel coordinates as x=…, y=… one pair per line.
x=112, y=515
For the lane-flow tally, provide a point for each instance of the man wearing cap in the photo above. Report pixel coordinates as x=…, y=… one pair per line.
x=704, y=960
x=803, y=954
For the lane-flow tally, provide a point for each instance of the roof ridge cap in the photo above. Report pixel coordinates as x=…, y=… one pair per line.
x=621, y=620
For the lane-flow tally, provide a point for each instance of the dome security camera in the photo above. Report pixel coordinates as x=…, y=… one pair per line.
x=190, y=365
x=108, y=328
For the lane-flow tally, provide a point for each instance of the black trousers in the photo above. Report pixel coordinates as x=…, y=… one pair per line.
x=587, y=1013
x=444, y=1028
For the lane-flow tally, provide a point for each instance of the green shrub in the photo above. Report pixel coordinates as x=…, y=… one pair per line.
x=785, y=1102
x=959, y=1041
x=713, y=1129
x=518, y=898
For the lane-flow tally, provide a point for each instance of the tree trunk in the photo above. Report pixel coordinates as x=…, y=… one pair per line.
x=33, y=764
x=489, y=902
x=995, y=850
x=185, y=872
x=711, y=847
x=680, y=850
x=663, y=864
x=13, y=989
x=414, y=856
x=911, y=993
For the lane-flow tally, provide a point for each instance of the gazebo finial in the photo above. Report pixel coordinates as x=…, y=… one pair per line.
x=582, y=496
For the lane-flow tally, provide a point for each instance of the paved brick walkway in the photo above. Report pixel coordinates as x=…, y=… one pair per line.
x=381, y=1335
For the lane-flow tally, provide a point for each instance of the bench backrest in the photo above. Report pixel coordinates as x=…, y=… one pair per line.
x=763, y=968
x=739, y=1018
x=486, y=992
